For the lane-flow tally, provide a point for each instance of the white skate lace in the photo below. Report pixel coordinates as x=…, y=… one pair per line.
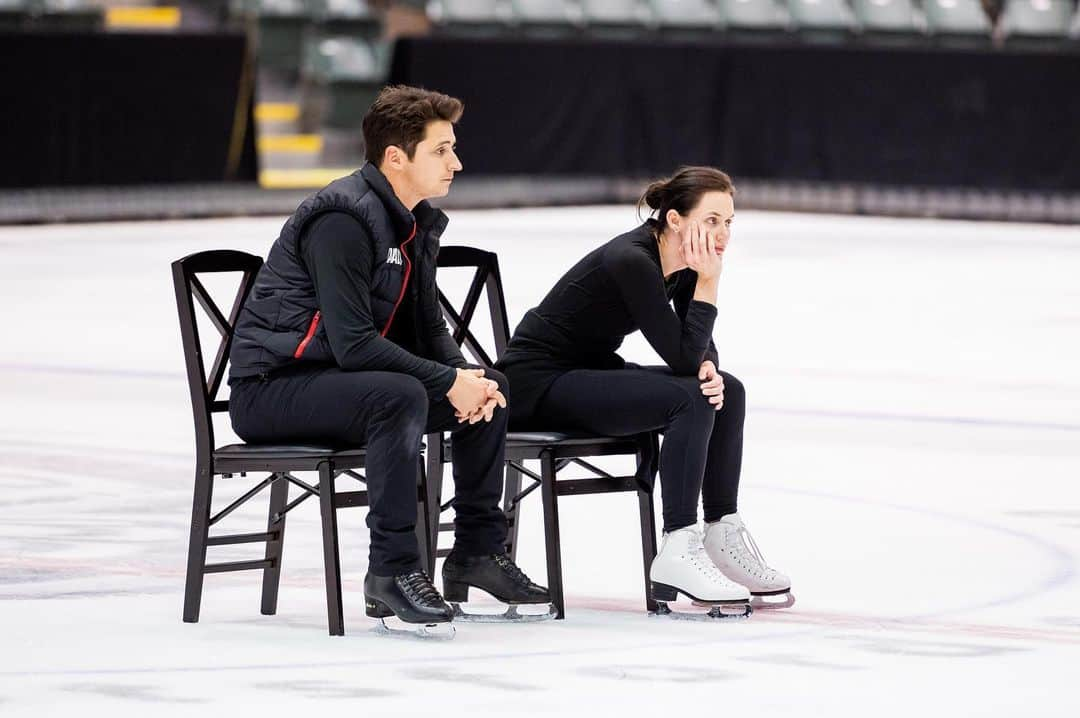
x=747, y=549
x=700, y=559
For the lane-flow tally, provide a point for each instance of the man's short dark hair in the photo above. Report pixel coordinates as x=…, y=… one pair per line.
x=400, y=115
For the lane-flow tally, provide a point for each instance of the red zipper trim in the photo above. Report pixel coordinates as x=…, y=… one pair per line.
x=404, y=283
x=308, y=337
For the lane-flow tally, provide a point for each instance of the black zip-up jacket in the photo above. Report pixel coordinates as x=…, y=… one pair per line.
x=334, y=281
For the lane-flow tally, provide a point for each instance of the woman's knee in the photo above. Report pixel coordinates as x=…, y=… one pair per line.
x=690, y=400
x=734, y=391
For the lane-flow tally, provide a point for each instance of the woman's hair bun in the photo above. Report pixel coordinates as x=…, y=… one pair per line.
x=655, y=194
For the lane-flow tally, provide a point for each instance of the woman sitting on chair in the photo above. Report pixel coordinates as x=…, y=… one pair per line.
x=564, y=374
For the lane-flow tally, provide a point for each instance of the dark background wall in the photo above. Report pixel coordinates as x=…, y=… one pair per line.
x=115, y=109
x=905, y=116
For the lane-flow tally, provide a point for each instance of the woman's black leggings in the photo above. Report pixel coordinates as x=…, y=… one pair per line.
x=702, y=449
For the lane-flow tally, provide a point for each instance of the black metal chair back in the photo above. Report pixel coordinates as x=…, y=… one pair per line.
x=486, y=277
x=204, y=385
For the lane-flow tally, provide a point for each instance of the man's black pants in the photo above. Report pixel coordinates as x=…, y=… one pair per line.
x=389, y=413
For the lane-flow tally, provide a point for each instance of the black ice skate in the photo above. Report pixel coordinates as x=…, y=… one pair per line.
x=413, y=599
x=499, y=576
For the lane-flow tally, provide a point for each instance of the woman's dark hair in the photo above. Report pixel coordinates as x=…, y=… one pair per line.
x=400, y=115
x=682, y=191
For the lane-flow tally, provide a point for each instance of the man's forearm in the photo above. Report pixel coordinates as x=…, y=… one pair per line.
x=380, y=354
x=446, y=351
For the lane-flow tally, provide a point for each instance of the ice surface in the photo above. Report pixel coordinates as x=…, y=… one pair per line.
x=912, y=461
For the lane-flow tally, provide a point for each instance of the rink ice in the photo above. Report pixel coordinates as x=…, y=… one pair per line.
x=911, y=461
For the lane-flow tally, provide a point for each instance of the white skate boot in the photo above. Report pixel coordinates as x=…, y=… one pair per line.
x=732, y=549
x=682, y=566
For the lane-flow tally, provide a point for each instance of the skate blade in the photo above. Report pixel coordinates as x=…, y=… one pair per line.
x=423, y=632
x=716, y=612
x=510, y=615
x=768, y=603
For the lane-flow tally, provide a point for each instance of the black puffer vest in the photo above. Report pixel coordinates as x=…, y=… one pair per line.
x=279, y=323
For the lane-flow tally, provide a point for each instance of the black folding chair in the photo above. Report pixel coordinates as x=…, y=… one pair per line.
x=555, y=450
x=279, y=460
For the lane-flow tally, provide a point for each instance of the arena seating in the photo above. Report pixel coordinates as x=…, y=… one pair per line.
x=753, y=14
x=1037, y=18
x=346, y=18
x=281, y=25
x=701, y=14
x=818, y=15
x=345, y=73
x=484, y=17
x=956, y=17
x=12, y=13
x=886, y=16
x=616, y=18
x=78, y=15
x=545, y=16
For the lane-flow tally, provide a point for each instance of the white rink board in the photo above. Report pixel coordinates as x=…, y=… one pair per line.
x=912, y=461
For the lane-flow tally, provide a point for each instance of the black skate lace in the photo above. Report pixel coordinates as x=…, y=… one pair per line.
x=506, y=564
x=418, y=587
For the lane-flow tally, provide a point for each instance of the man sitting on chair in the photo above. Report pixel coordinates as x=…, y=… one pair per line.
x=342, y=341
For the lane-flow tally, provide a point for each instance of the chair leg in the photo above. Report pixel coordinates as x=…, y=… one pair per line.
x=551, y=532
x=200, y=530
x=423, y=519
x=511, y=488
x=275, y=525
x=331, y=555
x=434, y=494
x=648, y=542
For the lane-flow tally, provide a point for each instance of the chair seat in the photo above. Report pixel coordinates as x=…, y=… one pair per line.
x=530, y=441
x=565, y=438
x=561, y=437
x=284, y=451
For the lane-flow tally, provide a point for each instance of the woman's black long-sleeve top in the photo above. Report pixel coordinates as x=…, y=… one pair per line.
x=613, y=291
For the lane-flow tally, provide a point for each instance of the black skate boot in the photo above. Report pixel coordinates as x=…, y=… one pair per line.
x=498, y=575
x=412, y=598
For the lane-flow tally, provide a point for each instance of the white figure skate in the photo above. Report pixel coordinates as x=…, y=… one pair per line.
x=733, y=551
x=682, y=566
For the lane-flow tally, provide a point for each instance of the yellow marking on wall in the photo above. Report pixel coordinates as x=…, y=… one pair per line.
x=277, y=112
x=158, y=18
x=294, y=144
x=302, y=178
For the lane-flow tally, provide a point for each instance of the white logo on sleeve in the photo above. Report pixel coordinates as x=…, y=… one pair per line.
x=393, y=256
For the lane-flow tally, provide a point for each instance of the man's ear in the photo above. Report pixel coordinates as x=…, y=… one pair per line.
x=394, y=156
